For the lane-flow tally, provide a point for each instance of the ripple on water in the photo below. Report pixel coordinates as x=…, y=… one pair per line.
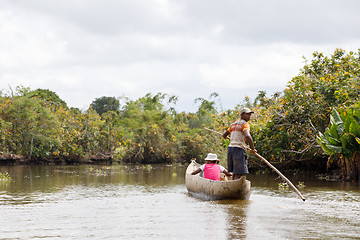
x=76, y=205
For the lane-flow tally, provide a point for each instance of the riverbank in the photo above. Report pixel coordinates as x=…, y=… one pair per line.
x=260, y=169
x=14, y=159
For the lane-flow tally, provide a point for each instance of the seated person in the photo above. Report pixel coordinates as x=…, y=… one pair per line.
x=211, y=168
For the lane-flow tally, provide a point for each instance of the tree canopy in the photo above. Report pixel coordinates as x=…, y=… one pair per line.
x=104, y=104
x=285, y=127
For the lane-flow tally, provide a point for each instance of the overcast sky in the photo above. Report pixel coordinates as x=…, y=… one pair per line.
x=85, y=49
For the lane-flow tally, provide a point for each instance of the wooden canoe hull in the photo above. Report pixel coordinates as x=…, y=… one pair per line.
x=207, y=189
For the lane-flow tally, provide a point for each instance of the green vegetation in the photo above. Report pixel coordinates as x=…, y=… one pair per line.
x=290, y=121
x=5, y=177
x=342, y=140
x=105, y=104
x=143, y=131
x=286, y=127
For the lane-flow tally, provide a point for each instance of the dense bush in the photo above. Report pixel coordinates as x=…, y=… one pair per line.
x=38, y=124
x=143, y=131
x=296, y=115
x=342, y=139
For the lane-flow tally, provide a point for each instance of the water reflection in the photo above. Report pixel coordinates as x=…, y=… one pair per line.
x=236, y=218
x=142, y=202
x=52, y=178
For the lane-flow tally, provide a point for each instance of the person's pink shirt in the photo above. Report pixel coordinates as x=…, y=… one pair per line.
x=212, y=171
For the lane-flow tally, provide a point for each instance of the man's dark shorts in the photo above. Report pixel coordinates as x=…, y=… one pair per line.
x=237, y=160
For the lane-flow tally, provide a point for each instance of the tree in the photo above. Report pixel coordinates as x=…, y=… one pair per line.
x=153, y=133
x=48, y=96
x=342, y=139
x=111, y=133
x=207, y=106
x=206, y=110
x=30, y=127
x=105, y=104
x=303, y=108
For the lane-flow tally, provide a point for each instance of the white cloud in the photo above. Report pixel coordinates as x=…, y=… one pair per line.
x=87, y=49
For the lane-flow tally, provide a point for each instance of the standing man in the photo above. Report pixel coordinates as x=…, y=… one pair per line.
x=239, y=133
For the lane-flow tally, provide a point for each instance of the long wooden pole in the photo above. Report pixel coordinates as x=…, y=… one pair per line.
x=281, y=175
x=274, y=168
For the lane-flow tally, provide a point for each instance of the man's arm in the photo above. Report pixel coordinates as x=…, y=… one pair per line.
x=249, y=140
x=226, y=134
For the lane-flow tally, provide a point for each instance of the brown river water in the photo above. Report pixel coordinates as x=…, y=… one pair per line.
x=151, y=202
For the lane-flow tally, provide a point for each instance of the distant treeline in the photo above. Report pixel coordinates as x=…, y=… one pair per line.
x=38, y=125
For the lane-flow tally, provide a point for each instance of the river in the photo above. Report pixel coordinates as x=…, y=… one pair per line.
x=151, y=202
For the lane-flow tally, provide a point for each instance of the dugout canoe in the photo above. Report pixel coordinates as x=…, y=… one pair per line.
x=207, y=189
